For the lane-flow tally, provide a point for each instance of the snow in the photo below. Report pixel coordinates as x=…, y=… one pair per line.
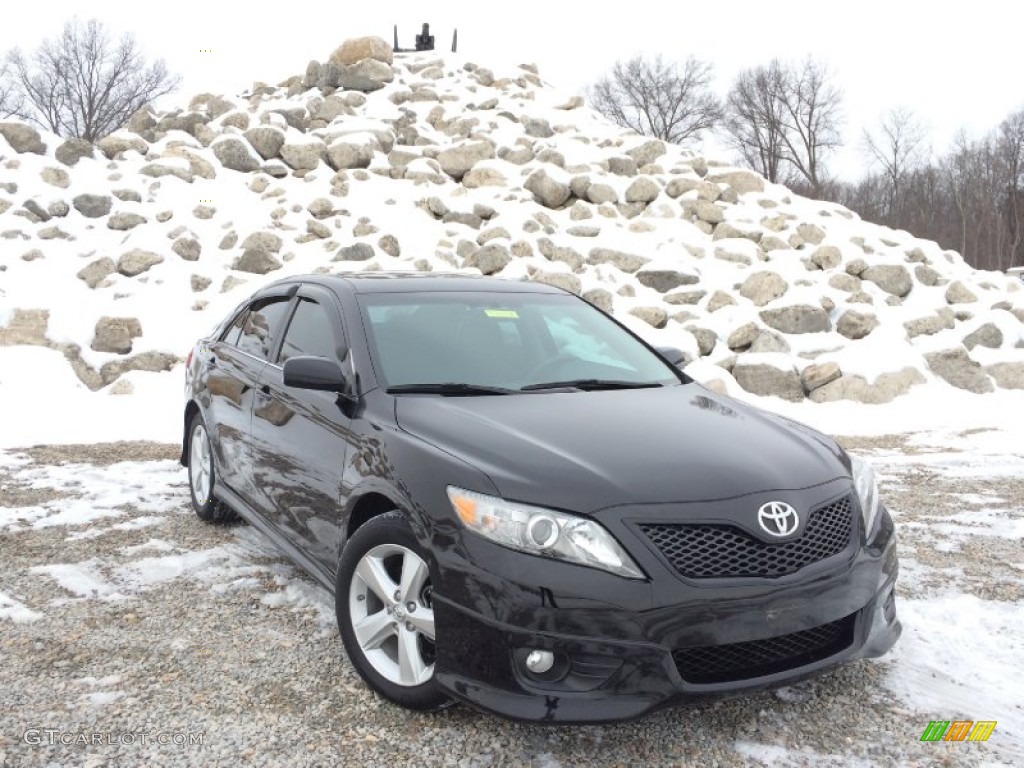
x=955, y=657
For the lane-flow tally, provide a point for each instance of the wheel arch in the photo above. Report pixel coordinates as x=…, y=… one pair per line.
x=191, y=409
x=368, y=506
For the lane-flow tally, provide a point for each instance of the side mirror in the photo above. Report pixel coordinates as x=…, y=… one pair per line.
x=672, y=354
x=314, y=373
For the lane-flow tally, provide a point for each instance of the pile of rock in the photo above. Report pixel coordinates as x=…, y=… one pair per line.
x=372, y=160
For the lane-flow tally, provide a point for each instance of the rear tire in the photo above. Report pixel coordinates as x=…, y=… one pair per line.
x=202, y=474
x=385, y=616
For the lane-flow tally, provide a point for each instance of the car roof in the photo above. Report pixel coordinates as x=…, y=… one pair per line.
x=415, y=282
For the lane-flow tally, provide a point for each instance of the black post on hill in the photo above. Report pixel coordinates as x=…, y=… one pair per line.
x=424, y=40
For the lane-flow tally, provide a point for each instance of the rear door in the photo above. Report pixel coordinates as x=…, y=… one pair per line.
x=300, y=436
x=234, y=366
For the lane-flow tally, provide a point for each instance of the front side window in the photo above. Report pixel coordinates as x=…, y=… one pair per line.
x=310, y=332
x=261, y=326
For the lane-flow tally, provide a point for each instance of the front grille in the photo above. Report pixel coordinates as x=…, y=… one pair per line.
x=723, y=551
x=741, y=661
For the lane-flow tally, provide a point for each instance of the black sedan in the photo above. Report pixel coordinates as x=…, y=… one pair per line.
x=519, y=504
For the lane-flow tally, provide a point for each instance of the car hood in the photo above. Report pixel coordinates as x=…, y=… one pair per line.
x=585, y=451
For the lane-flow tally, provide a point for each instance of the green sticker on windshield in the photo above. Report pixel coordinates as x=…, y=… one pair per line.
x=501, y=313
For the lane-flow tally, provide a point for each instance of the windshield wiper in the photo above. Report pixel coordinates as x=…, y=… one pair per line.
x=448, y=389
x=591, y=384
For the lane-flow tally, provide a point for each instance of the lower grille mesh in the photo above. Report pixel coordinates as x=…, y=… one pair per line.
x=755, y=658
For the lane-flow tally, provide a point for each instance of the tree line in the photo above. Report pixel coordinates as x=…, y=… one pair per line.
x=784, y=120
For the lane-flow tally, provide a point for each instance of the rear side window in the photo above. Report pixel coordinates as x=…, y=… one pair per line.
x=309, y=333
x=262, y=326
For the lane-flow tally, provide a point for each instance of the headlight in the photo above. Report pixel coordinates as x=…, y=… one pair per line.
x=542, y=532
x=867, y=491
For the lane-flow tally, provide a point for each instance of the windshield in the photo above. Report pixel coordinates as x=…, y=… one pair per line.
x=503, y=340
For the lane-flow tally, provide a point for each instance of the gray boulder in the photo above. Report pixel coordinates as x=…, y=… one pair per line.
x=826, y=257
x=642, y=190
x=137, y=261
x=856, y=325
x=116, y=143
x=664, y=280
x=811, y=233
x=599, y=193
x=957, y=368
x=457, y=160
x=538, y=128
x=235, y=154
x=622, y=166
x=927, y=275
x=884, y=389
x=815, y=376
x=95, y=271
x=921, y=326
x=763, y=287
x=958, y=293
x=343, y=155
x=354, y=252
x=366, y=76
x=743, y=337
x=720, y=299
x=740, y=181
x=548, y=191
x=1007, y=375
x=891, y=278
x=647, y=153
x=769, y=341
x=123, y=221
x=305, y=156
x=23, y=138
x=987, y=335
x=357, y=49
x=600, y=298
x=115, y=334
x=73, y=150
x=267, y=241
x=57, y=177
x=562, y=280
x=188, y=248
x=800, y=318
x=656, y=317
x=92, y=206
x=265, y=139
x=627, y=262
x=257, y=261
x=767, y=380
x=489, y=259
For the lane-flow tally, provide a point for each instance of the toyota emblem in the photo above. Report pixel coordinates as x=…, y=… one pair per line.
x=777, y=518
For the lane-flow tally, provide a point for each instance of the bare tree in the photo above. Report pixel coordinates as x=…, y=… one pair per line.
x=85, y=85
x=665, y=100
x=897, y=148
x=784, y=119
x=812, y=115
x=11, y=102
x=753, y=119
x=1010, y=148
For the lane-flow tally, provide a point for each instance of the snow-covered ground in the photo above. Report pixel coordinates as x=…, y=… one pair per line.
x=961, y=584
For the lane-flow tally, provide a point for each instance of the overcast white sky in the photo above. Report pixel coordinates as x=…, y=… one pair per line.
x=955, y=64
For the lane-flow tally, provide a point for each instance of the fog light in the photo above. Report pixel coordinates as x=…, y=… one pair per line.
x=540, y=662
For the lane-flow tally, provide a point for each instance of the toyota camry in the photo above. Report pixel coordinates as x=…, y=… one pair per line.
x=518, y=503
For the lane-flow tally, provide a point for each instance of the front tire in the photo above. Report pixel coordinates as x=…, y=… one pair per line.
x=202, y=474
x=383, y=602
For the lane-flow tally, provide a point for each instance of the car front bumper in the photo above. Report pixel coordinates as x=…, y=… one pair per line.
x=624, y=648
